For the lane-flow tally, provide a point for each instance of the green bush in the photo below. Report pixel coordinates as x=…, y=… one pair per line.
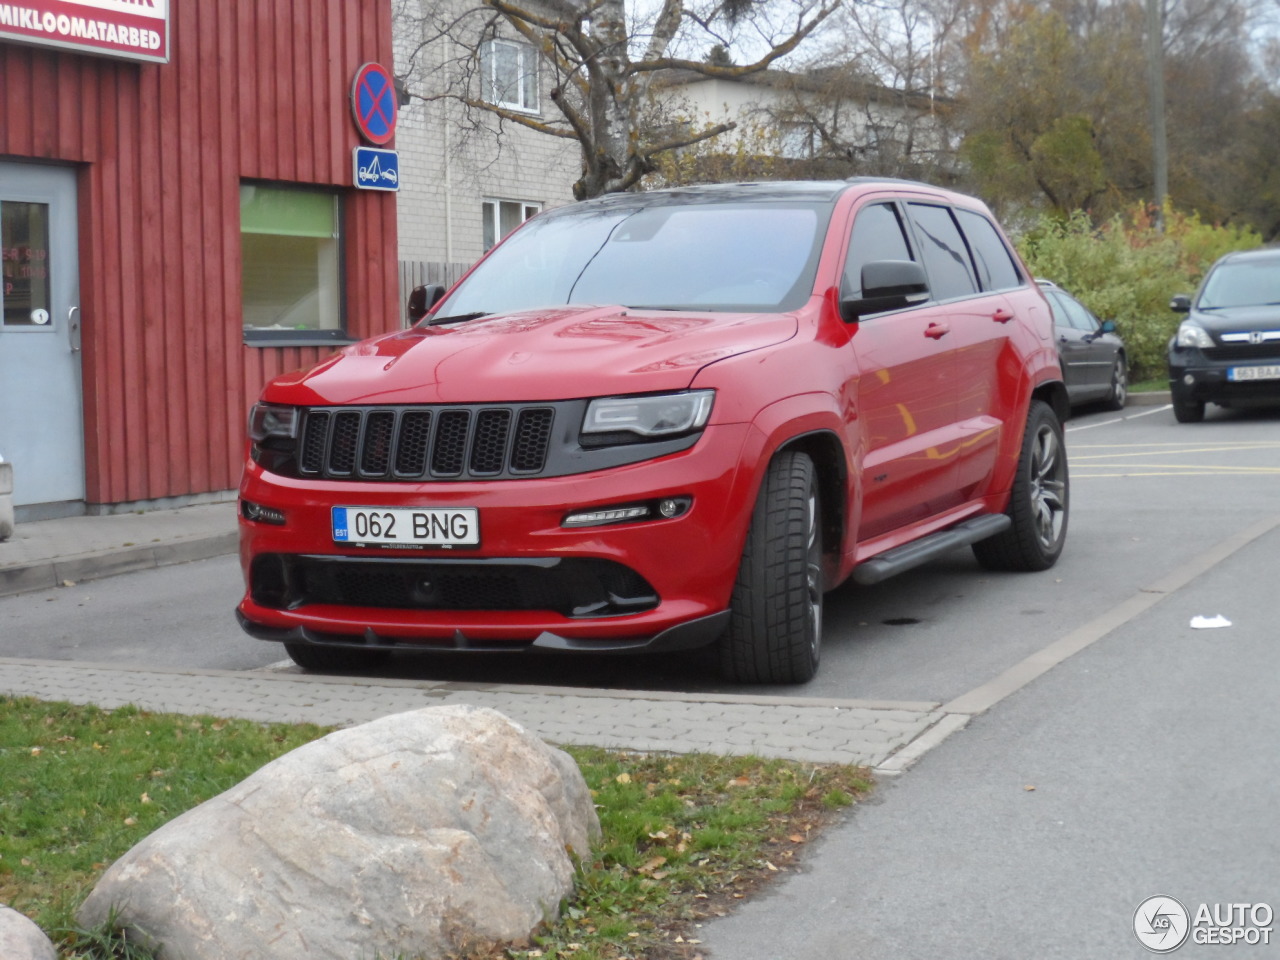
x=1127, y=270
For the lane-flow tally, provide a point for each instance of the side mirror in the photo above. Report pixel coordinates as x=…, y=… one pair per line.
x=886, y=285
x=422, y=299
x=1108, y=326
x=1180, y=304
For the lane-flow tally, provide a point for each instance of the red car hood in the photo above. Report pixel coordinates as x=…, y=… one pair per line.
x=556, y=354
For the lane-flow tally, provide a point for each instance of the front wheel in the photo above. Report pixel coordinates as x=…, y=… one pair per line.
x=1119, y=385
x=1039, y=503
x=775, y=628
x=1186, y=410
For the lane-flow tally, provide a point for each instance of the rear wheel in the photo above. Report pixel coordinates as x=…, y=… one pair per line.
x=1039, y=503
x=1119, y=385
x=313, y=656
x=775, y=629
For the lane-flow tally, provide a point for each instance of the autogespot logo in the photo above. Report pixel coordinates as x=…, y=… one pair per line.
x=1161, y=924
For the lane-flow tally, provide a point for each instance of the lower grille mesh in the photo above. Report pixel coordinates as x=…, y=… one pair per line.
x=572, y=587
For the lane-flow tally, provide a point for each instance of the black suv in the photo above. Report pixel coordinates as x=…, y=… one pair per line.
x=1227, y=350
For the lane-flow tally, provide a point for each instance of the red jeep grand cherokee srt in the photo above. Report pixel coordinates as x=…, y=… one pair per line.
x=654, y=421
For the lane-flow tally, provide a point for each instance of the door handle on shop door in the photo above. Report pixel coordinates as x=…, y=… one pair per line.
x=73, y=328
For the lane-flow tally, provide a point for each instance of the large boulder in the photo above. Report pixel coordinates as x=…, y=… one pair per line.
x=417, y=835
x=20, y=939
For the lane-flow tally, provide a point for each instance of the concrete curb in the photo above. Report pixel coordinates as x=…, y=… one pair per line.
x=46, y=574
x=1153, y=398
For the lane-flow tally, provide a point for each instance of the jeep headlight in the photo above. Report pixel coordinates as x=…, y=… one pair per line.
x=611, y=420
x=272, y=421
x=1191, y=334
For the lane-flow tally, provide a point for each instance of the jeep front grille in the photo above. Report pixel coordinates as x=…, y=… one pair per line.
x=425, y=443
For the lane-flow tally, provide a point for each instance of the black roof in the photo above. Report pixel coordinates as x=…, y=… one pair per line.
x=813, y=191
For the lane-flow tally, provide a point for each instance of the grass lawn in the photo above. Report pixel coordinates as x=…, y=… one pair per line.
x=685, y=837
x=1148, y=386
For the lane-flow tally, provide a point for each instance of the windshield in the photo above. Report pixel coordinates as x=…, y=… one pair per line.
x=741, y=257
x=1246, y=284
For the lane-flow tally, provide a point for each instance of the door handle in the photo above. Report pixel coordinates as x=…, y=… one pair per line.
x=73, y=328
x=1002, y=316
x=937, y=330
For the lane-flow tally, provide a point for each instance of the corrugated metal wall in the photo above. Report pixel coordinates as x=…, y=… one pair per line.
x=255, y=89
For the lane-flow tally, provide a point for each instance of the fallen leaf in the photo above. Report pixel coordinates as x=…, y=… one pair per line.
x=740, y=782
x=145, y=798
x=623, y=778
x=130, y=821
x=1028, y=788
x=36, y=751
x=651, y=865
x=796, y=838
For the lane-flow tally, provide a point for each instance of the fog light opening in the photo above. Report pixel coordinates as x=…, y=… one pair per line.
x=666, y=508
x=1189, y=379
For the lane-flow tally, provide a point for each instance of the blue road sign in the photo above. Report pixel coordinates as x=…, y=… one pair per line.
x=374, y=169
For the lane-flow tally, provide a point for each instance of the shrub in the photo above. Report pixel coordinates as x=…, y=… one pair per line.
x=1127, y=270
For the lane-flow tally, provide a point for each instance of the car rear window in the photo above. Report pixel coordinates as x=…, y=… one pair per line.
x=996, y=269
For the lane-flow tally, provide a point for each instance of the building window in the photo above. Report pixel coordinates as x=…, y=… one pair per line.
x=24, y=264
x=509, y=75
x=290, y=264
x=503, y=216
x=796, y=141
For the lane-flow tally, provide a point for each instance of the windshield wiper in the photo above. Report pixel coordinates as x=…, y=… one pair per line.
x=436, y=321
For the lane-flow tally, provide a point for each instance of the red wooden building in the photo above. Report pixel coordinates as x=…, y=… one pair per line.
x=178, y=223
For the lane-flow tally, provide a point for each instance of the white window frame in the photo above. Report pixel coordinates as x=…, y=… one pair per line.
x=526, y=85
x=491, y=217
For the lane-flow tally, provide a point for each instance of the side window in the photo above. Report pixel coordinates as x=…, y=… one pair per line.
x=946, y=257
x=996, y=268
x=877, y=235
x=1078, y=316
x=1060, y=316
x=291, y=265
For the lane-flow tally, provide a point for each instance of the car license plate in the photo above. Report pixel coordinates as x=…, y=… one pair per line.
x=420, y=526
x=1269, y=372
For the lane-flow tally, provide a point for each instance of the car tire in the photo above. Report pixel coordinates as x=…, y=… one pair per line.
x=775, y=627
x=1119, y=385
x=1039, y=505
x=314, y=656
x=1186, y=410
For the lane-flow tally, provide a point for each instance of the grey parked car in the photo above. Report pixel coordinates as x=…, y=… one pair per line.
x=1095, y=366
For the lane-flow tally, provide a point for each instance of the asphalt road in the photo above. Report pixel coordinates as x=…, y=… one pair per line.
x=1147, y=495
x=1146, y=765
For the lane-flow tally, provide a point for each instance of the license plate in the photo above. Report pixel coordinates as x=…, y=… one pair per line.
x=1269, y=372
x=421, y=526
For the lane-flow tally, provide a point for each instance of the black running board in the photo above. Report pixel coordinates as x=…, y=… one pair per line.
x=913, y=554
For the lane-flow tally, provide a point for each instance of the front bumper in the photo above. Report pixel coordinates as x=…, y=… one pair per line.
x=686, y=566
x=1196, y=378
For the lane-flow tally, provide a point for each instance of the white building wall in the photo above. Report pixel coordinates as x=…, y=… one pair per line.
x=448, y=168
